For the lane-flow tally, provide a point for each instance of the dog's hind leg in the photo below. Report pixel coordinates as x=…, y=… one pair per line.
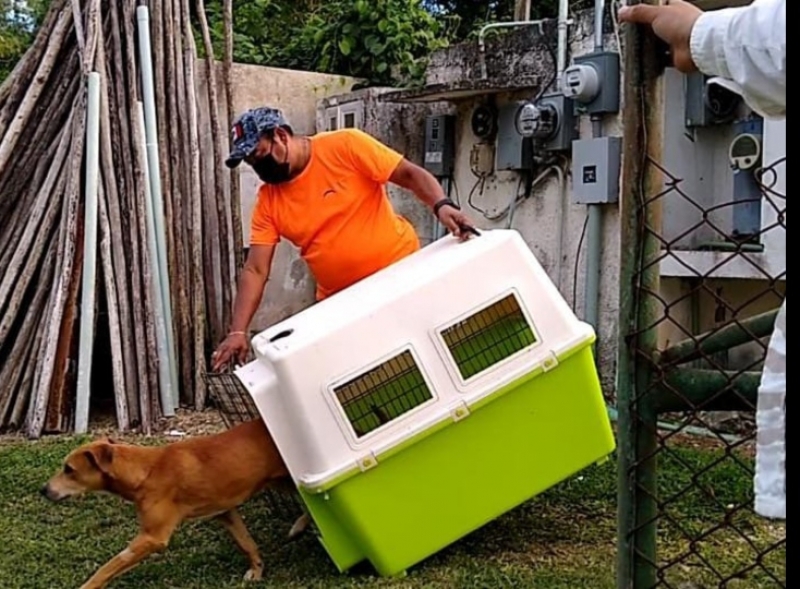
x=140, y=548
x=235, y=525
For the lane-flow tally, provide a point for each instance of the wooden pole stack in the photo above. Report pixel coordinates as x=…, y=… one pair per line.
x=42, y=159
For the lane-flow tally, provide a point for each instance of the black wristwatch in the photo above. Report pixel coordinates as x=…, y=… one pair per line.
x=445, y=202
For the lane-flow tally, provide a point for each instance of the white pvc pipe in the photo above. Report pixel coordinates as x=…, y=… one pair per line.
x=563, y=39
x=599, y=13
x=154, y=173
x=162, y=343
x=89, y=279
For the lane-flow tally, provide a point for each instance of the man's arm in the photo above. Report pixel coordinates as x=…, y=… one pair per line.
x=747, y=46
x=428, y=190
x=382, y=164
x=419, y=181
x=248, y=296
x=251, y=286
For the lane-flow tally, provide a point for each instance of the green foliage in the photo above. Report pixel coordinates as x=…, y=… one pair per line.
x=18, y=24
x=262, y=29
x=382, y=41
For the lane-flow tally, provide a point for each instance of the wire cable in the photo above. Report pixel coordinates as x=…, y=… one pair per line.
x=578, y=264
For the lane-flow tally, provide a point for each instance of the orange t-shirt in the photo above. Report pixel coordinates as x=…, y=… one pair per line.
x=337, y=211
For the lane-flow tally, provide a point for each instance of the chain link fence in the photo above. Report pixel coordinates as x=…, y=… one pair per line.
x=701, y=290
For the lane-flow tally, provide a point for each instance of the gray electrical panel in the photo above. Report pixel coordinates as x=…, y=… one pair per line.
x=567, y=130
x=440, y=145
x=596, y=167
x=607, y=66
x=747, y=191
x=514, y=152
x=708, y=105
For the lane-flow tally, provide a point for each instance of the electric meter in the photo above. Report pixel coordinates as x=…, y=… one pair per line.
x=537, y=121
x=745, y=152
x=581, y=83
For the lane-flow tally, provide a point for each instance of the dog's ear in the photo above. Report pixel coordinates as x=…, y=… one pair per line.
x=100, y=456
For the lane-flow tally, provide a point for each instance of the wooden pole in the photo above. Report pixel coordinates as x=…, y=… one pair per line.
x=522, y=10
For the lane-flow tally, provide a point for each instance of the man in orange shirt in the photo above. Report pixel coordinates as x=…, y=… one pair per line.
x=327, y=195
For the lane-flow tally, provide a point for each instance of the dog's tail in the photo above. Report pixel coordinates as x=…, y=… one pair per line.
x=300, y=526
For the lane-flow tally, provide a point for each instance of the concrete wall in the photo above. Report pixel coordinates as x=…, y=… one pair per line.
x=291, y=287
x=550, y=224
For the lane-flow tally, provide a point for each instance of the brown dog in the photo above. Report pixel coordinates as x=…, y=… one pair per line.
x=204, y=477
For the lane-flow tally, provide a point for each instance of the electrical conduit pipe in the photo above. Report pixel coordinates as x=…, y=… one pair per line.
x=594, y=235
x=89, y=278
x=169, y=390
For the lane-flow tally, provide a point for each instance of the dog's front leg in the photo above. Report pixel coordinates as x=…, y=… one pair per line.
x=140, y=548
x=235, y=525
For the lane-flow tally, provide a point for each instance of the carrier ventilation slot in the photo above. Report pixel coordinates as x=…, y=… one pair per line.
x=383, y=394
x=488, y=337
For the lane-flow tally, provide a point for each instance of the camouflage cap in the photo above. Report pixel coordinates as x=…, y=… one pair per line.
x=248, y=129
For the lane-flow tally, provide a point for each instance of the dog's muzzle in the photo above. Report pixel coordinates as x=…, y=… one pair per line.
x=49, y=495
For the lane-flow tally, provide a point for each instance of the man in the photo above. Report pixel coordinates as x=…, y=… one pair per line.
x=327, y=195
x=746, y=48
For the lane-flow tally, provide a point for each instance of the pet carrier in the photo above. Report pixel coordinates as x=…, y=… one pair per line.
x=430, y=398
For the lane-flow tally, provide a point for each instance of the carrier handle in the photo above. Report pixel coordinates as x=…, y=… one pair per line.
x=469, y=229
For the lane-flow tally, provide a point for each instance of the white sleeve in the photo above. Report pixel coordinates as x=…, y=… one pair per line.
x=748, y=47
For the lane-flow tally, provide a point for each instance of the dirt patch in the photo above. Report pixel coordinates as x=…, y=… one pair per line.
x=186, y=423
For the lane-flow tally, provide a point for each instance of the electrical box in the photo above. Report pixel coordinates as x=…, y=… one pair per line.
x=596, y=166
x=514, y=152
x=440, y=145
x=484, y=122
x=566, y=131
x=593, y=82
x=745, y=155
x=708, y=104
x=550, y=123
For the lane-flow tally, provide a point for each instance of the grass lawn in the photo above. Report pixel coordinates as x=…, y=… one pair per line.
x=563, y=539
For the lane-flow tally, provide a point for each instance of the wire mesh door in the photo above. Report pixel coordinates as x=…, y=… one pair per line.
x=229, y=396
x=699, y=297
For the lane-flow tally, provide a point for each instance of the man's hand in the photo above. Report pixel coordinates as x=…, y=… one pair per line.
x=456, y=222
x=673, y=23
x=234, y=347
